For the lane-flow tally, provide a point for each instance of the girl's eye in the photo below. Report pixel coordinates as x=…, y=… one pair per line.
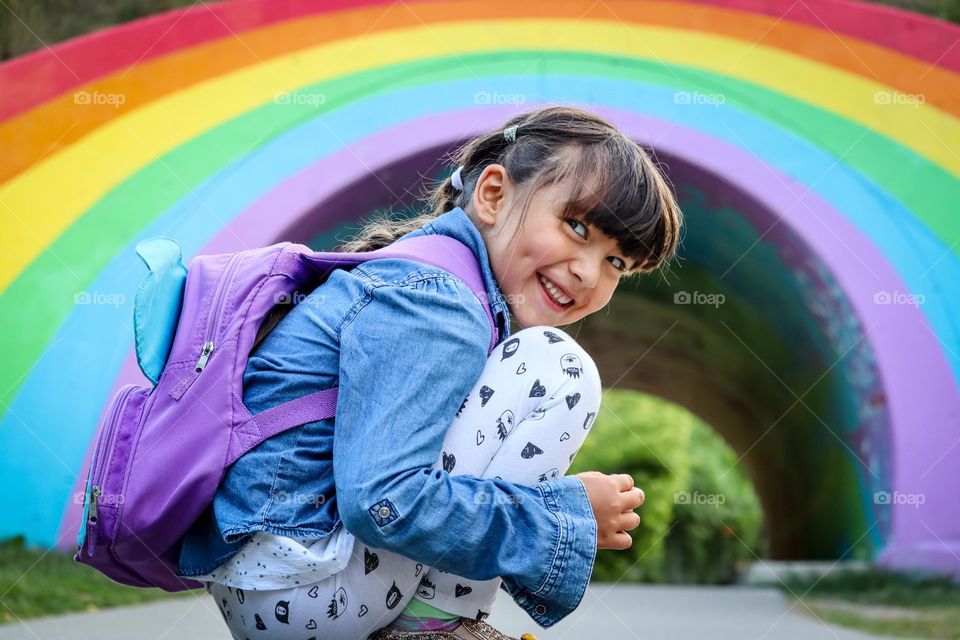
x=619, y=264
x=574, y=222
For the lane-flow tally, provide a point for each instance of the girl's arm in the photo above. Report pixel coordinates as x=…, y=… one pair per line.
x=410, y=353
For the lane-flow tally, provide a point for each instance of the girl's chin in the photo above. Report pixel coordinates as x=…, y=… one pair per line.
x=525, y=321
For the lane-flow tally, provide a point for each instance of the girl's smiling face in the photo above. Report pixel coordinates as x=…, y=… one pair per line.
x=554, y=270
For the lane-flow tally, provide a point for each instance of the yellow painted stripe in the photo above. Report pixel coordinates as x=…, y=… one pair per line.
x=39, y=204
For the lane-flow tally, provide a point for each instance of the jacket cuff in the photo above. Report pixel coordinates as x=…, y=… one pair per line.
x=572, y=562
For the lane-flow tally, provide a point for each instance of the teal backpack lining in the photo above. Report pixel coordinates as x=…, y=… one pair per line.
x=156, y=307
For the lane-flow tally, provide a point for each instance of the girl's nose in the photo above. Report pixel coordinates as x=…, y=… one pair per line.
x=586, y=269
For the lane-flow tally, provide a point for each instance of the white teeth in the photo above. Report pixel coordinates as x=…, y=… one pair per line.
x=554, y=292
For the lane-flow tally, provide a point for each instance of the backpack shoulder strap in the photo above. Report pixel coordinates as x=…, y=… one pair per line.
x=435, y=250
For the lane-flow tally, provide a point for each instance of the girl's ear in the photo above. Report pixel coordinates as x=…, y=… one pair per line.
x=490, y=194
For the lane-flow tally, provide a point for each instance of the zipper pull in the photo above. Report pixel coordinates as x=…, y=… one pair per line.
x=207, y=350
x=94, y=495
x=93, y=521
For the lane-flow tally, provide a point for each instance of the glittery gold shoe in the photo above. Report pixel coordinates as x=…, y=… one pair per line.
x=468, y=630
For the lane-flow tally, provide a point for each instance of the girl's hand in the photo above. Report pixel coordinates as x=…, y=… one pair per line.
x=613, y=498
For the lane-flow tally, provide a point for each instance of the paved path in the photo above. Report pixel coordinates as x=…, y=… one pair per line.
x=644, y=612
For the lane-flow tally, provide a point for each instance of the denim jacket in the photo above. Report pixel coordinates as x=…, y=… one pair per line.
x=405, y=343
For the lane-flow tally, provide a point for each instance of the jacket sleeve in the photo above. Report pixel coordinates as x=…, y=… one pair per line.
x=409, y=355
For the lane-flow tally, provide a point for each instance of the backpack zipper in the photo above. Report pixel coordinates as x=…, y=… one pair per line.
x=216, y=312
x=94, y=520
x=99, y=463
x=92, y=512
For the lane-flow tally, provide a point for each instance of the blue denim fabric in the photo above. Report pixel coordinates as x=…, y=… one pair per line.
x=405, y=343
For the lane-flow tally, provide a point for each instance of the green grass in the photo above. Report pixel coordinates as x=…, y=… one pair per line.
x=37, y=582
x=886, y=603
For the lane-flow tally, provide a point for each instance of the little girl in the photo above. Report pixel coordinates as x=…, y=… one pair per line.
x=442, y=479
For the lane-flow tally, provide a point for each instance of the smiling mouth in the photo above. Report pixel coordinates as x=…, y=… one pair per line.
x=553, y=294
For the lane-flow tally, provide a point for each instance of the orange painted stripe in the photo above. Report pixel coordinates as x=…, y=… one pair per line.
x=61, y=121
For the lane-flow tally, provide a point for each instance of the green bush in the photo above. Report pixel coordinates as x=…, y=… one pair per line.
x=701, y=516
x=720, y=525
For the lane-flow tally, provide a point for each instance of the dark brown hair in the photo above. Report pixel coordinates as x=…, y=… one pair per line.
x=628, y=197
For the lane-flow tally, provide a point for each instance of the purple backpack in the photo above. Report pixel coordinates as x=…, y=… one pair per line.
x=161, y=452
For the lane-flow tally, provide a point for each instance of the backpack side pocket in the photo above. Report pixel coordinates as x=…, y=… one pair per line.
x=157, y=305
x=105, y=481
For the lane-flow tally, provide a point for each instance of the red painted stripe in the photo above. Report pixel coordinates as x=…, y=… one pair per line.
x=913, y=34
x=43, y=74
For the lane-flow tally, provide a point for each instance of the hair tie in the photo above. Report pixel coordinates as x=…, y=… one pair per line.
x=510, y=133
x=457, y=179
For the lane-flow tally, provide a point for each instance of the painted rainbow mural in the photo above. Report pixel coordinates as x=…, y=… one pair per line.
x=814, y=146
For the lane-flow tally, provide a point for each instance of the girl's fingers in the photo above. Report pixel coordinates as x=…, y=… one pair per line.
x=633, y=498
x=620, y=541
x=629, y=520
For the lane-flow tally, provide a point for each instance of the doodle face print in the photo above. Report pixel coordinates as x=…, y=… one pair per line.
x=282, y=611
x=504, y=424
x=338, y=604
x=570, y=364
x=427, y=590
x=393, y=596
x=536, y=414
x=510, y=348
x=546, y=475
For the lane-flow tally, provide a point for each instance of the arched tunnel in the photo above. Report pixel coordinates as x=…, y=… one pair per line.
x=748, y=330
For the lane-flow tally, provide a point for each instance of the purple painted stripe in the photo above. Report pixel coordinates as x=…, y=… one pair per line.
x=919, y=384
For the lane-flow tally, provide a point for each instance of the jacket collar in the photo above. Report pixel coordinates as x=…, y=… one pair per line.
x=457, y=224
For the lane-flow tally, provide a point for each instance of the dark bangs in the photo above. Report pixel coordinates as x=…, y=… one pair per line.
x=617, y=189
x=614, y=186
